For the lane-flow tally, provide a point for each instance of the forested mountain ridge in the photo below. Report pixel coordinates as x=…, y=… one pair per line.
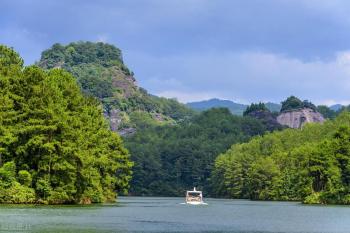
x=170, y=159
x=55, y=145
x=235, y=108
x=101, y=72
x=311, y=165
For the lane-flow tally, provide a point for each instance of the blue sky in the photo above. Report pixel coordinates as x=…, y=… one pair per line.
x=242, y=50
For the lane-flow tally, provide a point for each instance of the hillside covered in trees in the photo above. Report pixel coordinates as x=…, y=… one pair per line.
x=101, y=72
x=311, y=165
x=55, y=145
x=171, y=159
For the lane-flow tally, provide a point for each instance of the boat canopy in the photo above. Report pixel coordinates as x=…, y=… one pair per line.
x=194, y=192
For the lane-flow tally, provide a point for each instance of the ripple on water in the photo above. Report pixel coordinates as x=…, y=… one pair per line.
x=148, y=215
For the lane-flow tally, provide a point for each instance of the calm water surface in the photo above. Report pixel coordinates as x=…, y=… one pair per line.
x=140, y=214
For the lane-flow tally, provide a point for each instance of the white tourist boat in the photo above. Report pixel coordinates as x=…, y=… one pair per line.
x=194, y=197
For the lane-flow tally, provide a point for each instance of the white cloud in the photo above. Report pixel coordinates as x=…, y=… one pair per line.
x=333, y=102
x=247, y=76
x=203, y=48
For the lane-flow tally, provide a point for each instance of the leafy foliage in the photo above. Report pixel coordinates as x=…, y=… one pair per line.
x=81, y=53
x=327, y=112
x=55, y=146
x=170, y=159
x=255, y=107
x=293, y=103
x=311, y=165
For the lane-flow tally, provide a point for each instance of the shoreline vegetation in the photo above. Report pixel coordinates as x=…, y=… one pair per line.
x=55, y=145
x=311, y=165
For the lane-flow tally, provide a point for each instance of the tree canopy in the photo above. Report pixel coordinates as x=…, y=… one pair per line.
x=293, y=103
x=311, y=165
x=55, y=145
x=170, y=159
x=78, y=53
x=255, y=107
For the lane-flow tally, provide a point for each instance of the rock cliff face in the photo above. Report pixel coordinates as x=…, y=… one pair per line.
x=297, y=118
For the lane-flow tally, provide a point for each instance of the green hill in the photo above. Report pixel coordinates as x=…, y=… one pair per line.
x=170, y=159
x=101, y=72
x=310, y=164
x=235, y=108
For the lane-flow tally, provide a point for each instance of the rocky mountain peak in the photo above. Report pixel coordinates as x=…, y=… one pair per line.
x=100, y=71
x=299, y=117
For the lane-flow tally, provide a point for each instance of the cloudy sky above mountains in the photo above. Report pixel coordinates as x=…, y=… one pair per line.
x=242, y=50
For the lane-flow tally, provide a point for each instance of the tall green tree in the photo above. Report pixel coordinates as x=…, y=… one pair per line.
x=54, y=141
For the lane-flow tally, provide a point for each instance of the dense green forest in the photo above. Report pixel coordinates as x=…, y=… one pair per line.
x=55, y=145
x=311, y=164
x=101, y=72
x=173, y=158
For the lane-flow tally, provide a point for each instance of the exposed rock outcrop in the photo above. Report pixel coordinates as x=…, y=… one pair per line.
x=297, y=118
x=114, y=118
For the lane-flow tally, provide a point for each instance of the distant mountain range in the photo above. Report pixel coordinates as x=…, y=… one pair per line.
x=336, y=107
x=273, y=107
x=235, y=108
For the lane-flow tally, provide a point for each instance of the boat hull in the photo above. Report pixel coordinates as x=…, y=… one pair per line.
x=196, y=203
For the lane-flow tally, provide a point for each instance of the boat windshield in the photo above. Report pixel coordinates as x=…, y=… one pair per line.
x=194, y=194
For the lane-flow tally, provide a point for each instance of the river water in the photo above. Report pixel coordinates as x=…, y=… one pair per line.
x=142, y=214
